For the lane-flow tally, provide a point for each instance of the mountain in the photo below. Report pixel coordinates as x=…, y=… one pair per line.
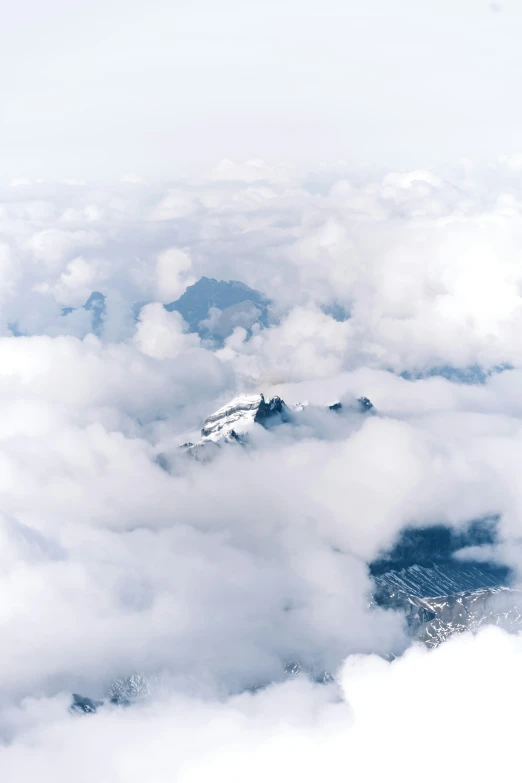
x=236, y=417
x=233, y=421
x=211, y=308
x=96, y=304
x=433, y=620
x=471, y=374
x=436, y=544
x=439, y=593
x=214, y=308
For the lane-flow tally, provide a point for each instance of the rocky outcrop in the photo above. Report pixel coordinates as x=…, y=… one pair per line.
x=433, y=620
x=235, y=418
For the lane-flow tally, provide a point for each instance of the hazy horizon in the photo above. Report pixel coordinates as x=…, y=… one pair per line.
x=98, y=89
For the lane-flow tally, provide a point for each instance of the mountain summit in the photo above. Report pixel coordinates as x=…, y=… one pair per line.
x=214, y=308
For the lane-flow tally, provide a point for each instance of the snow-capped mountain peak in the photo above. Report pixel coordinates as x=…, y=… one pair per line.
x=233, y=420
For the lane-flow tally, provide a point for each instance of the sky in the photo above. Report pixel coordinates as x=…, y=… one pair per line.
x=97, y=90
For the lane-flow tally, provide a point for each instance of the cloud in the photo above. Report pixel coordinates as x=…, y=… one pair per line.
x=308, y=343
x=425, y=262
x=214, y=578
x=356, y=729
x=75, y=284
x=162, y=334
x=172, y=268
x=51, y=245
x=253, y=170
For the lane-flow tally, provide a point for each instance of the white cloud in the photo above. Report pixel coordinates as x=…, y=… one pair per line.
x=75, y=284
x=173, y=274
x=50, y=246
x=307, y=344
x=161, y=334
x=387, y=720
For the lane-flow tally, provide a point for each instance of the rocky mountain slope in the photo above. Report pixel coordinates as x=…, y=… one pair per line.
x=439, y=593
x=235, y=418
x=214, y=308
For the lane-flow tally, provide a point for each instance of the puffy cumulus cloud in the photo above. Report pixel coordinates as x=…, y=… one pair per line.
x=446, y=293
x=75, y=284
x=172, y=274
x=453, y=708
x=437, y=452
x=9, y=270
x=51, y=246
x=307, y=344
x=162, y=334
x=89, y=374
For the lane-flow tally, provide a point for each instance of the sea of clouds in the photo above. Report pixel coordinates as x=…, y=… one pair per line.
x=209, y=579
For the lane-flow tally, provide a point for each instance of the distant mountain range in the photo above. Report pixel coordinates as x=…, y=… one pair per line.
x=211, y=308
x=214, y=308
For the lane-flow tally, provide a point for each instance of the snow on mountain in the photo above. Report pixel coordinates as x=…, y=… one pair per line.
x=440, y=594
x=238, y=416
x=233, y=421
x=433, y=620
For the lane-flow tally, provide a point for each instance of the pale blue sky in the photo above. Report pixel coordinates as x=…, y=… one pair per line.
x=94, y=88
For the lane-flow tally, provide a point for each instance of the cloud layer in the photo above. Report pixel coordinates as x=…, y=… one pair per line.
x=426, y=711
x=214, y=578
x=426, y=263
